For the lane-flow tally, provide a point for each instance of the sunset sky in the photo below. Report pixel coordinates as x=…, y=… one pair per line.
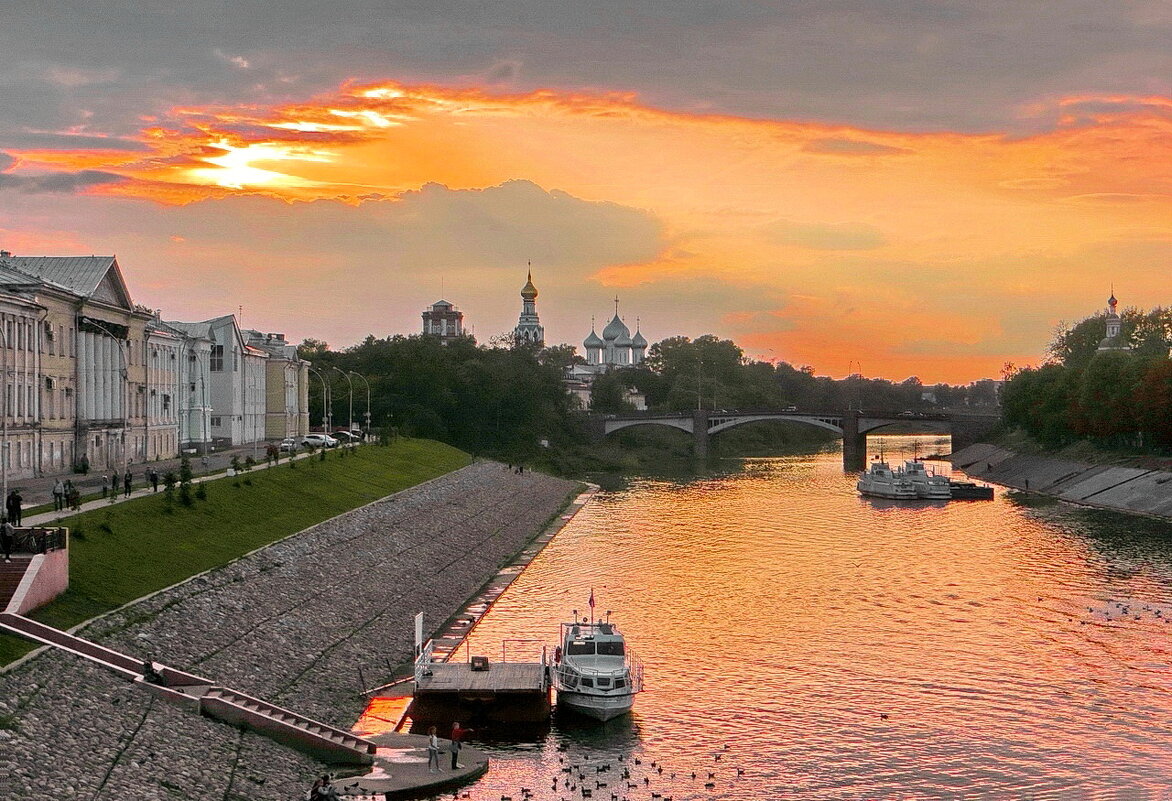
x=907, y=188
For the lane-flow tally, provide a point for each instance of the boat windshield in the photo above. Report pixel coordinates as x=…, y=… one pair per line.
x=610, y=648
x=579, y=648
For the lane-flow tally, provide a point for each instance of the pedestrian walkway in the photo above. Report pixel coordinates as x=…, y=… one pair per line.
x=39, y=490
x=216, y=466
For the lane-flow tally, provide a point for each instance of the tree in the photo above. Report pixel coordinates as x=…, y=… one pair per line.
x=608, y=394
x=1153, y=402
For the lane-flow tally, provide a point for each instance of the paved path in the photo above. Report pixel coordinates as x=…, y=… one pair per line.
x=39, y=490
x=216, y=467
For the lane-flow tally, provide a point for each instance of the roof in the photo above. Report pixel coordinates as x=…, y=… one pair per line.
x=82, y=275
x=593, y=341
x=615, y=329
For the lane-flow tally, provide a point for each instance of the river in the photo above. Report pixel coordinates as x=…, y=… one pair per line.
x=834, y=647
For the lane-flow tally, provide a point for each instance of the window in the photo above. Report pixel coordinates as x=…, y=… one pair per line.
x=217, y=365
x=612, y=648
x=216, y=421
x=166, y=403
x=579, y=648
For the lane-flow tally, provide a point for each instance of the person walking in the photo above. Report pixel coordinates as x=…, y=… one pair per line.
x=58, y=496
x=74, y=497
x=114, y=483
x=433, y=751
x=127, y=483
x=456, y=743
x=9, y=503
x=154, y=476
x=17, y=503
x=7, y=538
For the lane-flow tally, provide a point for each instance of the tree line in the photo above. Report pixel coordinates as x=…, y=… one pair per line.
x=512, y=403
x=1113, y=398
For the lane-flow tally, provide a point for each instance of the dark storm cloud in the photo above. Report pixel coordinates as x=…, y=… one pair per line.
x=51, y=181
x=907, y=64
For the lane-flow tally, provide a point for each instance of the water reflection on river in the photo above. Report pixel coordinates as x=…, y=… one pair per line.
x=833, y=647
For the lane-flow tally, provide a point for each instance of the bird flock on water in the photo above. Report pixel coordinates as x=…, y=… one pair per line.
x=621, y=778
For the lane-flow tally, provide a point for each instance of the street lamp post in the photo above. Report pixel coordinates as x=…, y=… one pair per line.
x=125, y=391
x=325, y=403
x=346, y=376
x=364, y=381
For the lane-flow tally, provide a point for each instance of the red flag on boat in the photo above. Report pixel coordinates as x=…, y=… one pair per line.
x=591, y=597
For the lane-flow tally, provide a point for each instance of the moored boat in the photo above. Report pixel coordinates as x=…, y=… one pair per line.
x=970, y=491
x=881, y=481
x=594, y=672
x=927, y=485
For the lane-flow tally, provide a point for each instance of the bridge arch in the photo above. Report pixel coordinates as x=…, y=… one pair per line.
x=681, y=423
x=718, y=424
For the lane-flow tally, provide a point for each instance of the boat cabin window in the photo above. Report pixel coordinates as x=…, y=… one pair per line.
x=579, y=648
x=620, y=683
x=612, y=648
x=604, y=682
x=587, y=682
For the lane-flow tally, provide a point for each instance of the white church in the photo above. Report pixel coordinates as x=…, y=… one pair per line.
x=615, y=349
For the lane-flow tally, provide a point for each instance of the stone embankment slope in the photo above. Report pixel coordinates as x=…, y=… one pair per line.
x=291, y=623
x=1127, y=489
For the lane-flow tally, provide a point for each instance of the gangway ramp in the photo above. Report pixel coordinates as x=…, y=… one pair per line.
x=320, y=740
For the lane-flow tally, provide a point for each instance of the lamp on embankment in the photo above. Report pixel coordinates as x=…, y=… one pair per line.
x=325, y=402
x=350, y=383
x=364, y=381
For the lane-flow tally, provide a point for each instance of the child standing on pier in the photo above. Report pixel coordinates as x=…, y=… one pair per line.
x=433, y=751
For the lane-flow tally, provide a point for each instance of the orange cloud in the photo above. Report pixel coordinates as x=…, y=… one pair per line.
x=972, y=229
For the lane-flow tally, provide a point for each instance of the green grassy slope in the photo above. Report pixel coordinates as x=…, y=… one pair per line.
x=133, y=548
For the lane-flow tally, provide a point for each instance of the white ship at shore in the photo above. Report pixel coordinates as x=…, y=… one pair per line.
x=880, y=481
x=594, y=672
x=926, y=485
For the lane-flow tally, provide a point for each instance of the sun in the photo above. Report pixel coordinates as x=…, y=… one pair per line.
x=235, y=169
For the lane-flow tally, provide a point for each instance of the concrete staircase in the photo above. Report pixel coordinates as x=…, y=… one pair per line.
x=198, y=694
x=10, y=575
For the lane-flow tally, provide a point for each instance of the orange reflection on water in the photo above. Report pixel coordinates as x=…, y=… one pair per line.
x=381, y=716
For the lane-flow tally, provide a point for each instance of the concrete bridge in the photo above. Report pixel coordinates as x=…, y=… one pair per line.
x=852, y=425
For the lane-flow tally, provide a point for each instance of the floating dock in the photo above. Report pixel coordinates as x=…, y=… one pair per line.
x=478, y=690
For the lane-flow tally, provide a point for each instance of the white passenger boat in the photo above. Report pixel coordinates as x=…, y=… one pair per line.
x=594, y=672
x=927, y=485
x=880, y=481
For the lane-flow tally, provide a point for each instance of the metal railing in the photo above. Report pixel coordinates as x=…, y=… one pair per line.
x=632, y=670
x=39, y=540
x=423, y=661
x=518, y=640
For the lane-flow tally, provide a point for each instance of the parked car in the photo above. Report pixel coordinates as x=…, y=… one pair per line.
x=319, y=441
x=347, y=436
x=288, y=445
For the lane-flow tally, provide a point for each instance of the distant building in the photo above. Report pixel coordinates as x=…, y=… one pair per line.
x=286, y=385
x=616, y=348
x=529, y=330
x=1114, y=341
x=443, y=320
